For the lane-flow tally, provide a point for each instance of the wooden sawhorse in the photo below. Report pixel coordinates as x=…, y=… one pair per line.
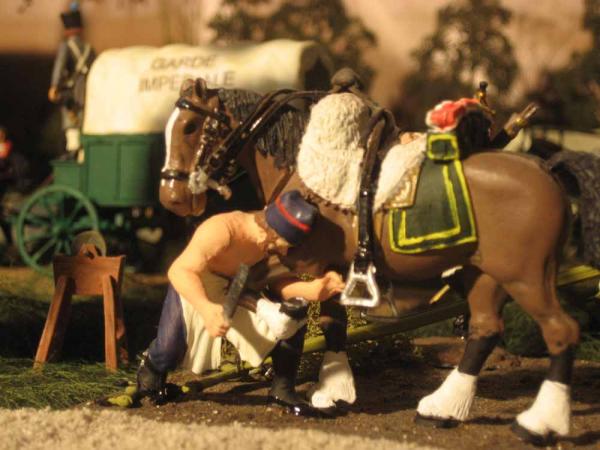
x=86, y=273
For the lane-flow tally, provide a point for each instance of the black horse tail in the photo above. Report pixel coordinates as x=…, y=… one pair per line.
x=579, y=173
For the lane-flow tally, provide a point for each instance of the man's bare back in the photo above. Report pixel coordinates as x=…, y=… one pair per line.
x=220, y=245
x=235, y=238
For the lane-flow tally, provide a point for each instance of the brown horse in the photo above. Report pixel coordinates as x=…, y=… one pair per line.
x=521, y=215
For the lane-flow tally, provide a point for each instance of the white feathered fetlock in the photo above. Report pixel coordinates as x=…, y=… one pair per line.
x=336, y=382
x=452, y=400
x=550, y=412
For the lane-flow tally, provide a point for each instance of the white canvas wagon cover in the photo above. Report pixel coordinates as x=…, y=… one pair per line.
x=133, y=90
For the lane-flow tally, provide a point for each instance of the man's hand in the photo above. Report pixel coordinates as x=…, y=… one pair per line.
x=215, y=321
x=331, y=284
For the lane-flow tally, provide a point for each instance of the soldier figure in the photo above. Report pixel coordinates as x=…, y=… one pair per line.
x=67, y=86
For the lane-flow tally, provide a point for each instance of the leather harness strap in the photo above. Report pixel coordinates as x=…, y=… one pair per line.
x=370, y=171
x=283, y=181
x=362, y=270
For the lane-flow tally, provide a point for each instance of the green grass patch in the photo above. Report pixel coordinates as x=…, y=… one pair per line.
x=56, y=385
x=79, y=375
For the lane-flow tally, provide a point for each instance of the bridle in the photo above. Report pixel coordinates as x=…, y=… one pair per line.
x=214, y=127
x=215, y=170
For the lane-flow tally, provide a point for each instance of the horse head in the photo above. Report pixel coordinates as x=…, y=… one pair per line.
x=198, y=124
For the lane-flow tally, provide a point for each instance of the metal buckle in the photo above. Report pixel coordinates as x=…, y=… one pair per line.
x=355, y=278
x=198, y=181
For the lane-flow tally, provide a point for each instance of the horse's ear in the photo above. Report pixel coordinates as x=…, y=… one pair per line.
x=195, y=89
x=200, y=88
x=187, y=88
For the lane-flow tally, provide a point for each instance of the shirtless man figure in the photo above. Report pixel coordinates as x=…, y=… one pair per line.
x=193, y=320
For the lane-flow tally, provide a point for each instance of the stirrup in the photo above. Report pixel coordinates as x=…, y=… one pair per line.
x=355, y=278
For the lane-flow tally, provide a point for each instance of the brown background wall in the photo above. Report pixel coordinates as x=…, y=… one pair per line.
x=544, y=33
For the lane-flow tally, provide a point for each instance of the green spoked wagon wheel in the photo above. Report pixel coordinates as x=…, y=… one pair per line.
x=48, y=222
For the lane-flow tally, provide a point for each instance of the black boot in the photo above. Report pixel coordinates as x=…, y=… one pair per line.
x=286, y=360
x=164, y=353
x=150, y=382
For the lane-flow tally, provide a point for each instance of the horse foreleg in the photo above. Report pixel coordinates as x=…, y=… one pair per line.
x=452, y=401
x=550, y=413
x=336, y=382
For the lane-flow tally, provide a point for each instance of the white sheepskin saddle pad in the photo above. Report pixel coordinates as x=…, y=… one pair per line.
x=330, y=156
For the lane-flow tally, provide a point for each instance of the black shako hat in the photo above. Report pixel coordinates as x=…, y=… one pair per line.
x=72, y=18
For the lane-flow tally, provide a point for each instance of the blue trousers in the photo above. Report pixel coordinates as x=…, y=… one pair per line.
x=168, y=349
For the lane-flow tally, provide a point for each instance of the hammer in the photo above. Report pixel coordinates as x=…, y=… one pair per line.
x=235, y=291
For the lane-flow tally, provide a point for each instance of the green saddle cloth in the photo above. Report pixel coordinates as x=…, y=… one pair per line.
x=441, y=216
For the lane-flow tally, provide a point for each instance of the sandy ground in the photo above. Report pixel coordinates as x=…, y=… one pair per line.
x=86, y=429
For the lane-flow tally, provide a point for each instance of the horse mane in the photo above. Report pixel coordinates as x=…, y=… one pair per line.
x=282, y=135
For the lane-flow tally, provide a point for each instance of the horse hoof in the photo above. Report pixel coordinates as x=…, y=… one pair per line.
x=532, y=438
x=329, y=413
x=435, y=422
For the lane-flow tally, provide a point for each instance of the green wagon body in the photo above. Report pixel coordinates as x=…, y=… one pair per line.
x=118, y=171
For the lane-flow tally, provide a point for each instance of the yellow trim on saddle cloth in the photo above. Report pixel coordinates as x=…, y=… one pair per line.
x=437, y=146
x=458, y=233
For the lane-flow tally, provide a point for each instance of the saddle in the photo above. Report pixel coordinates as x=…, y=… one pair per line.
x=333, y=175
x=420, y=183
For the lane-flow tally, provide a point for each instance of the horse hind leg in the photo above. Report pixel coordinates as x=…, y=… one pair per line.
x=550, y=413
x=452, y=401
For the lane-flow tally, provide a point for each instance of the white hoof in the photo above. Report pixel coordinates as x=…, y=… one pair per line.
x=336, y=382
x=281, y=325
x=550, y=412
x=452, y=400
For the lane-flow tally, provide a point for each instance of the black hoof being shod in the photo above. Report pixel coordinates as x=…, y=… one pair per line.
x=532, y=438
x=340, y=409
x=331, y=412
x=435, y=422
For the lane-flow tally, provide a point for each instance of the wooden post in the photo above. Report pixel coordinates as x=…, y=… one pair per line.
x=86, y=273
x=56, y=322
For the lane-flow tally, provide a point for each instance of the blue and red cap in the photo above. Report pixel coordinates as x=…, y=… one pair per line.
x=291, y=216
